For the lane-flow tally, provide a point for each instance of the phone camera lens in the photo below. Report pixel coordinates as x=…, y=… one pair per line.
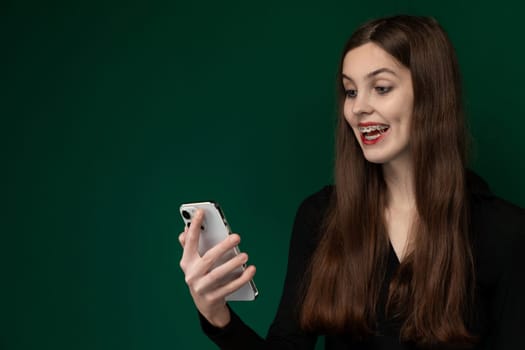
x=186, y=214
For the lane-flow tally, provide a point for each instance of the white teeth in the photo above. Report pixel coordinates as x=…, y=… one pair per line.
x=373, y=137
x=366, y=129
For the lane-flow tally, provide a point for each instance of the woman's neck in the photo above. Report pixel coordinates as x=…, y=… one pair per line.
x=399, y=179
x=400, y=211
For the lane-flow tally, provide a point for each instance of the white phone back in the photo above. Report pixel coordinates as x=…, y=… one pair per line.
x=214, y=229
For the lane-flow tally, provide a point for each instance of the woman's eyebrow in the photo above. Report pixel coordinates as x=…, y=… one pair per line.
x=373, y=73
x=380, y=70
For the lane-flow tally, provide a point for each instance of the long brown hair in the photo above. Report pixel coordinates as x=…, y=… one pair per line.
x=429, y=290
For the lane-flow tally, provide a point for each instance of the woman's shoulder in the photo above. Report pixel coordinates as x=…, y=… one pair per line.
x=311, y=213
x=319, y=200
x=491, y=214
x=497, y=229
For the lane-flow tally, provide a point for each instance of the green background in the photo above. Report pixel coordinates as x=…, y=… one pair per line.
x=114, y=113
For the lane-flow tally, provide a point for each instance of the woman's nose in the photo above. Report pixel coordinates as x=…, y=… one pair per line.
x=362, y=105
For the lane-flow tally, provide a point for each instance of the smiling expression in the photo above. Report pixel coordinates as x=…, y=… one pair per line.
x=378, y=103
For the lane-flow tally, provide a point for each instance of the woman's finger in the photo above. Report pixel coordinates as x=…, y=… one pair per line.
x=211, y=256
x=234, y=285
x=202, y=265
x=191, y=237
x=222, y=274
x=182, y=236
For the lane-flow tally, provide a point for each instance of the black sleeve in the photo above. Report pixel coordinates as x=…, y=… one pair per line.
x=284, y=332
x=236, y=335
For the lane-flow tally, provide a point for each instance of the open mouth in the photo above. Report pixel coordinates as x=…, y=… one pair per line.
x=373, y=132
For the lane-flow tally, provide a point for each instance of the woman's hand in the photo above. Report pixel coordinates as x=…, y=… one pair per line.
x=207, y=291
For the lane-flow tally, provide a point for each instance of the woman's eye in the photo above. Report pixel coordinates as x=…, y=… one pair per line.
x=383, y=89
x=351, y=93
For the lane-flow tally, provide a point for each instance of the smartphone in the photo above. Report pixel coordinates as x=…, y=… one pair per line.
x=214, y=229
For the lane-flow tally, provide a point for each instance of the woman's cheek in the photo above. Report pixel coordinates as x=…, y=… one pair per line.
x=347, y=112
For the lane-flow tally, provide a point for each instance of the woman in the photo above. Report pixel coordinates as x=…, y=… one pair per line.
x=408, y=250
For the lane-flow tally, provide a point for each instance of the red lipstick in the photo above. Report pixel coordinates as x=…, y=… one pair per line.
x=372, y=133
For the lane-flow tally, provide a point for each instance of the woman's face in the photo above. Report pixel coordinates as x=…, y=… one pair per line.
x=378, y=103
